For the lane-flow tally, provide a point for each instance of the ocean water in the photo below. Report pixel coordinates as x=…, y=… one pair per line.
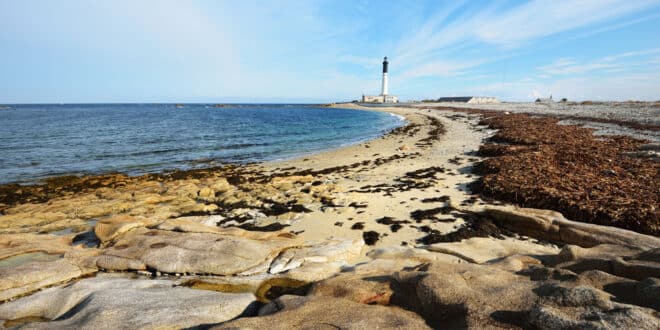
x=39, y=141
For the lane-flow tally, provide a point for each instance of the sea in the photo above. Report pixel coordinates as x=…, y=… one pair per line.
x=46, y=140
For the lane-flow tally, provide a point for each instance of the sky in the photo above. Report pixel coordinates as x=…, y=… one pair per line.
x=324, y=51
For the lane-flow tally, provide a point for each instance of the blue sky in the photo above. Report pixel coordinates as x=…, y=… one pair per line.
x=318, y=51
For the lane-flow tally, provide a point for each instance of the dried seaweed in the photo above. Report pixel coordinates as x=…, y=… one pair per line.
x=541, y=164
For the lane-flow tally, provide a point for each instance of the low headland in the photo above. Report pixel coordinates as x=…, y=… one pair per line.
x=464, y=218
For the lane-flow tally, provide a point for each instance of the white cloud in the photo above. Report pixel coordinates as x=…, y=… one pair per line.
x=439, y=46
x=539, y=18
x=612, y=63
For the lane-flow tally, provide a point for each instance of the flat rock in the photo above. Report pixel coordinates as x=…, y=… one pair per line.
x=483, y=249
x=316, y=262
x=121, y=303
x=15, y=244
x=197, y=253
x=30, y=276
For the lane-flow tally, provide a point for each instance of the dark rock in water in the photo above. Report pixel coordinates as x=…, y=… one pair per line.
x=370, y=237
x=87, y=239
x=358, y=226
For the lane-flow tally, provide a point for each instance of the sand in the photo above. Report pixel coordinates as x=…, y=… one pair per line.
x=462, y=137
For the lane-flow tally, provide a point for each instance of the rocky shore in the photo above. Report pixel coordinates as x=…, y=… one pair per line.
x=410, y=230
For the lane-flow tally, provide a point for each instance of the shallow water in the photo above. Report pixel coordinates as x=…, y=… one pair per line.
x=38, y=141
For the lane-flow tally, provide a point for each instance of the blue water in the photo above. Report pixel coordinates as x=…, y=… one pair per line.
x=39, y=141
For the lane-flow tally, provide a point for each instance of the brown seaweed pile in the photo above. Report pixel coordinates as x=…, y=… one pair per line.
x=539, y=163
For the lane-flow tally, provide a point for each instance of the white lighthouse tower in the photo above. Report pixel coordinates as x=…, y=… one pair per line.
x=384, y=90
x=384, y=96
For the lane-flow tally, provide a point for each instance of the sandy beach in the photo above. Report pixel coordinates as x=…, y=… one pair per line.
x=281, y=239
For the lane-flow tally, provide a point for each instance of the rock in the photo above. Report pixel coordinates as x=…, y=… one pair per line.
x=552, y=226
x=360, y=288
x=33, y=275
x=15, y=244
x=342, y=251
x=517, y=291
x=547, y=317
x=188, y=226
x=483, y=249
x=221, y=185
x=463, y=295
x=294, y=312
x=206, y=194
x=196, y=253
x=112, y=228
x=106, y=302
x=370, y=282
x=316, y=262
x=210, y=220
x=615, y=260
x=577, y=296
x=647, y=293
x=609, y=251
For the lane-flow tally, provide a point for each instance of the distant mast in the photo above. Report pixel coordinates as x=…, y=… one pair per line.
x=385, y=63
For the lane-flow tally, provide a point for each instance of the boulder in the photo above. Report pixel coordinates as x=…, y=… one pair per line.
x=582, y=307
x=109, y=229
x=613, y=259
x=483, y=249
x=463, y=295
x=552, y=226
x=295, y=312
x=517, y=292
x=316, y=262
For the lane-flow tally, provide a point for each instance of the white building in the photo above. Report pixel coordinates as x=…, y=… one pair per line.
x=384, y=96
x=470, y=99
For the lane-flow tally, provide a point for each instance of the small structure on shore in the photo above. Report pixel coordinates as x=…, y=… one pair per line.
x=384, y=96
x=470, y=99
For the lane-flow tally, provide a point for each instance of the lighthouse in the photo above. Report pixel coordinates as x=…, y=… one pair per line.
x=384, y=96
x=384, y=90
